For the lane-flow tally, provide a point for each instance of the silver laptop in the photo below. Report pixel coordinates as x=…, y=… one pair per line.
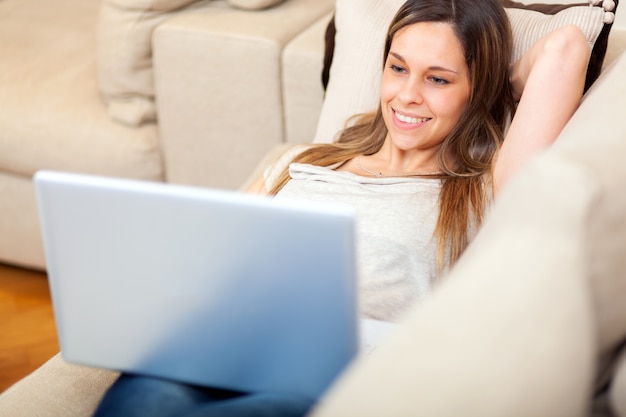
x=208, y=287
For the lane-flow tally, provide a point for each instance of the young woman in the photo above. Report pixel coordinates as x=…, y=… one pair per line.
x=420, y=171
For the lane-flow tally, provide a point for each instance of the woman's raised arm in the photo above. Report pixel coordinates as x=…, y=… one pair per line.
x=548, y=81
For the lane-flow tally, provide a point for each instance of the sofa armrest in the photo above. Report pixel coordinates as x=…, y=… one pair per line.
x=617, y=389
x=218, y=88
x=57, y=389
x=303, y=92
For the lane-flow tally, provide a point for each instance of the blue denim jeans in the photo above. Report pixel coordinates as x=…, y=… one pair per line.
x=142, y=396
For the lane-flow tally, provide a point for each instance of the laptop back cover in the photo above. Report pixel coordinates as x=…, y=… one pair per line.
x=202, y=286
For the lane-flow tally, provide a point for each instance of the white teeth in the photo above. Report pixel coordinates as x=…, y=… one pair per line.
x=412, y=120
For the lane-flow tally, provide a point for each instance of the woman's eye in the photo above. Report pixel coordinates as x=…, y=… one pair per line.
x=396, y=68
x=439, y=80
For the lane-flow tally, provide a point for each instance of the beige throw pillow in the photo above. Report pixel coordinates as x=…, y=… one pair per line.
x=124, y=47
x=124, y=56
x=528, y=25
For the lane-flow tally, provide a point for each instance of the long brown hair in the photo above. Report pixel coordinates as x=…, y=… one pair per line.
x=466, y=154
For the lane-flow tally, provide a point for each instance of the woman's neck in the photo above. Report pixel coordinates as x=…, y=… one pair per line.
x=393, y=161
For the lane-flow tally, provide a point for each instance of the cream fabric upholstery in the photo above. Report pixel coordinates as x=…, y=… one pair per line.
x=529, y=26
x=51, y=114
x=231, y=115
x=63, y=390
x=125, y=70
x=254, y=4
x=617, y=393
x=125, y=56
x=350, y=92
x=302, y=88
x=22, y=242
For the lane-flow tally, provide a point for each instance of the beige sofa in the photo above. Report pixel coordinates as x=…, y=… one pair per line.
x=531, y=322
x=184, y=91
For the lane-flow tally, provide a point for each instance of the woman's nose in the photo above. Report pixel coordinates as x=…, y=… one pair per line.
x=412, y=92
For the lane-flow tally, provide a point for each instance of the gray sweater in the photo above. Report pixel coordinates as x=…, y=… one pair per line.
x=395, y=221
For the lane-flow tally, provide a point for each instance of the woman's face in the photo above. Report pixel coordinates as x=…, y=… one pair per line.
x=425, y=86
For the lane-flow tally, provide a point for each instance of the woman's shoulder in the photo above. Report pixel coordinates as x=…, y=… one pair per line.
x=273, y=171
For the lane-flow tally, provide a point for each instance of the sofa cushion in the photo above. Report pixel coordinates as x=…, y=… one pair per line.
x=52, y=116
x=359, y=41
x=125, y=29
x=254, y=4
x=530, y=22
x=124, y=45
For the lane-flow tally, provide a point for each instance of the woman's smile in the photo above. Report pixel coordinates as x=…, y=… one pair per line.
x=407, y=121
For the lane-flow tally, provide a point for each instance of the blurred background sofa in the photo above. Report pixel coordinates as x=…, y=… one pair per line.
x=183, y=91
x=530, y=323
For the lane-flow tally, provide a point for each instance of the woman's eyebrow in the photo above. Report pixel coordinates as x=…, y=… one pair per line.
x=397, y=56
x=432, y=68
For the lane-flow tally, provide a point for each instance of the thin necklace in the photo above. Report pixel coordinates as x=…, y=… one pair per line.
x=380, y=174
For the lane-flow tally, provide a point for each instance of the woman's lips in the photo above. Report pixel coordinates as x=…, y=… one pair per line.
x=410, y=121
